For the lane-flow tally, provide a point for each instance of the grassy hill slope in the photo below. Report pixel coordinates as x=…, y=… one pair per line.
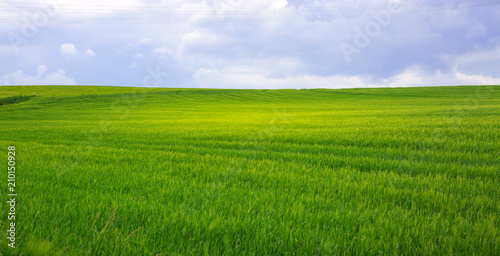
x=134, y=171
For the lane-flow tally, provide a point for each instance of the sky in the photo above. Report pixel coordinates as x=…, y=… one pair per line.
x=250, y=44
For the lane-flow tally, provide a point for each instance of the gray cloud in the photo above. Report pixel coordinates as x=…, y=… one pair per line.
x=275, y=44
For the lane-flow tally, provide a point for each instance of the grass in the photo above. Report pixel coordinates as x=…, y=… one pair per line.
x=15, y=99
x=133, y=171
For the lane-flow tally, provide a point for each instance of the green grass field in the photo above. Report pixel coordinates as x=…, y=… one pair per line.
x=134, y=171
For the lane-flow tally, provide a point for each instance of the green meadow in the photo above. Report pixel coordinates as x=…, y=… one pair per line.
x=157, y=171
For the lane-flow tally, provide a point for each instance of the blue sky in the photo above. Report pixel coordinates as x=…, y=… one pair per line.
x=250, y=44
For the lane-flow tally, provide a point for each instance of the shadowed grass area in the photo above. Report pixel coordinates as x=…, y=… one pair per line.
x=135, y=171
x=15, y=99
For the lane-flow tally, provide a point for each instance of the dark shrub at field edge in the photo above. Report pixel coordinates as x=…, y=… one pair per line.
x=16, y=99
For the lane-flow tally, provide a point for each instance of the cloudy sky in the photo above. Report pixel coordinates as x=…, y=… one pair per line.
x=250, y=44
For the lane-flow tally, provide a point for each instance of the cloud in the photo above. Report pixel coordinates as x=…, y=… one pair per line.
x=68, y=49
x=42, y=69
x=143, y=41
x=209, y=78
x=58, y=77
x=414, y=76
x=162, y=51
x=132, y=66
x=476, y=61
x=90, y=52
x=275, y=43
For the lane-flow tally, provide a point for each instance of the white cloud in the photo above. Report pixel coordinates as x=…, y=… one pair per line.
x=68, y=49
x=42, y=69
x=213, y=78
x=210, y=78
x=143, y=41
x=162, y=51
x=58, y=77
x=132, y=66
x=413, y=77
x=200, y=41
x=230, y=9
x=90, y=52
